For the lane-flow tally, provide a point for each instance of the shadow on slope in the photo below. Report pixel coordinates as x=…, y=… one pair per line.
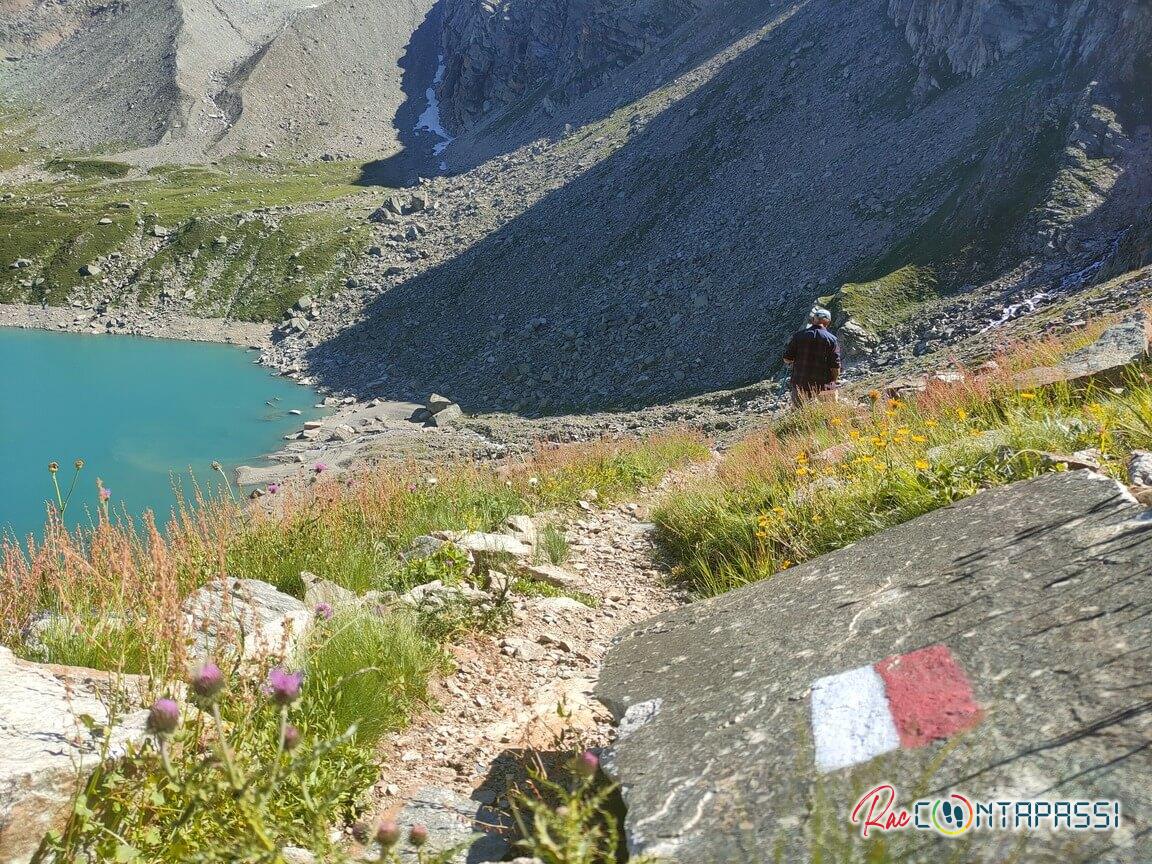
x=677, y=265
x=416, y=159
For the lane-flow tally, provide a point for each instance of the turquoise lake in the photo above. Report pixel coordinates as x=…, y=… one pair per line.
x=141, y=413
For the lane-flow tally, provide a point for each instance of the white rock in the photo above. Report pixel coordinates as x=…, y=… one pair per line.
x=43, y=743
x=522, y=528
x=550, y=574
x=253, y=616
x=490, y=544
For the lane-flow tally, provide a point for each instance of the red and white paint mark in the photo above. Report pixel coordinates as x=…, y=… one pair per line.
x=905, y=701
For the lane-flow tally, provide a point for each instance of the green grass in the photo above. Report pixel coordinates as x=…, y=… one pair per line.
x=889, y=300
x=90, y=169
x=369, y=671
x=552, y=545
x=268, y=262
x=778, y=502
x=356, y=539
x=114, y=644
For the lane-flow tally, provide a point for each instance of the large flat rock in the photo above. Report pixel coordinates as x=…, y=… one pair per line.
x=46, y=748
x=1038, y=594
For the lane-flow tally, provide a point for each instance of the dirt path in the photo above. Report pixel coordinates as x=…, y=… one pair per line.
x=529, y=688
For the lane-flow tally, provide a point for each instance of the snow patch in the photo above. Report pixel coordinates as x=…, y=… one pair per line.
x=430, y=120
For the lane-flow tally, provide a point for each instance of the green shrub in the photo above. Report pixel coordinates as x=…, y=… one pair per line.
x=244, y=775
x=88, y=169
x=552, y=546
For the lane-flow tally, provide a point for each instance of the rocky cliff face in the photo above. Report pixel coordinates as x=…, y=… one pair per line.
x=502, y=51
x=667, y=188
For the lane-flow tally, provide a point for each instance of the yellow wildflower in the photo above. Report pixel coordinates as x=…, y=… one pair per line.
x=801, y=471
x=922, y=465
x=1027, y=395
x=919, y=439
x=854, y=434
x=874, y=395
x=835, y=421
x=931, y=424
x=961, y=414
x=894, y=403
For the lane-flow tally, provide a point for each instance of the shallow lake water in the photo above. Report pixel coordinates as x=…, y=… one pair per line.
x=143, y=414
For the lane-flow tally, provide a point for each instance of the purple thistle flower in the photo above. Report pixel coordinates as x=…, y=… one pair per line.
x=321, y=467
x=284, y=686
x=105, y=494
x=163, y=718
x=586, y=764
x=388, y=834
x=273, y=488
x=291, y=738
x=418, y=836
x=324, y=611
x=207, y=681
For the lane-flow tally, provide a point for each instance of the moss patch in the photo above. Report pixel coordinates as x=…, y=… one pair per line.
x=88, y=169
x=887, y=301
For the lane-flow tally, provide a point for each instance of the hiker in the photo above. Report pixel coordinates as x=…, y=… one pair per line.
x=813, y=355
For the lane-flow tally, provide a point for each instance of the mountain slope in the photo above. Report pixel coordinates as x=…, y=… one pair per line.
x=188, y=79
x=659, y=234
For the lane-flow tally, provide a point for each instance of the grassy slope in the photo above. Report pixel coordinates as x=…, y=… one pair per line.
x=826, y=477
x=264, y=267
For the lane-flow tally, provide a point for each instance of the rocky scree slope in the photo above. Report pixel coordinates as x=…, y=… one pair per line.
x=184, y=79
x=651, y=202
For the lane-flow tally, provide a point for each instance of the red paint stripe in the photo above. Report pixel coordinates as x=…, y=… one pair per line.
x=929, y=695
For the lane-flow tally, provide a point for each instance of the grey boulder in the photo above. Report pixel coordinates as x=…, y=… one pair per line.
x=1040, y=592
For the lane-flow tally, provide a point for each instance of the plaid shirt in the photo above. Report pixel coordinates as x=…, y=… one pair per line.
x=815, y=356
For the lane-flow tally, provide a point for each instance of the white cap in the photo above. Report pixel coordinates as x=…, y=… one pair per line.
x=819, y=313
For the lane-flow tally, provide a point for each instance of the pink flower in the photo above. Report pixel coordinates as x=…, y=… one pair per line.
x=163, y=718
x=105, y=494
x=321, y=467
x=273, y=488
x=388, y=834
x=284, y=686
x=586, y=764
x=207, y=681
x=418, y=836
x=291, y=738
x=324, y=611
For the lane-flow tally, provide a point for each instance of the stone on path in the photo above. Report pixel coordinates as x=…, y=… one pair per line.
x=45, y=747
x=550, y=574
x=1017, y=622
x=253, y=616
x=452, y=820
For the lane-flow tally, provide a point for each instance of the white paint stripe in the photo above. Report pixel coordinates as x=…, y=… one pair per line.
x=851, y=719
